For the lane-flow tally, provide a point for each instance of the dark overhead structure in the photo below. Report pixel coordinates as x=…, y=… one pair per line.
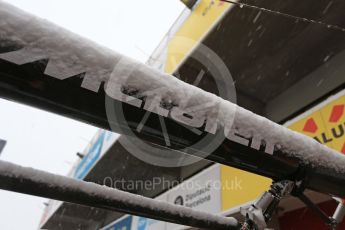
x=189, y=3
x=281, y=65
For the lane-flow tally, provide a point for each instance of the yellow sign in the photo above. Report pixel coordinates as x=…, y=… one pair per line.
x=203, y=18
x=240, y=187
x=326, y=124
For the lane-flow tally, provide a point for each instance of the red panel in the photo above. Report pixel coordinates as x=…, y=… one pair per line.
x=305, y=219
x=310, y=126
x=337, y=113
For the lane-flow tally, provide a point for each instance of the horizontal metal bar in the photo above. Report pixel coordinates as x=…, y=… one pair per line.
x=27, y=81
x=24, y=78
x=39, y=183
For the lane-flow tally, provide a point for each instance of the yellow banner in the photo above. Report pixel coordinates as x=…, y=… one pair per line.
x=240, y=187
x=203, y=18
x=325, y=123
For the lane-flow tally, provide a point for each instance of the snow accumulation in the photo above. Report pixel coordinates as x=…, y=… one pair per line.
x=69, y=54
x=95, y=190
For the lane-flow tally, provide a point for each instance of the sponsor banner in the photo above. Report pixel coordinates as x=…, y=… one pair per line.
x=92, y=156
x=109, y=139
x=201, y=192
x=240, y=187
x=149, y=224
x=186, y=33
x=98, y=147
x=204, y=16
x=125, y=223
x=325, y=123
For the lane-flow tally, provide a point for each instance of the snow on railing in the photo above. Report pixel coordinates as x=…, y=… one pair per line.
x=39, y=183
x=41, y=39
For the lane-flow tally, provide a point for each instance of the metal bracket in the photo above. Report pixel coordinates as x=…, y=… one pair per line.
x=258, y=214
x=339, y=214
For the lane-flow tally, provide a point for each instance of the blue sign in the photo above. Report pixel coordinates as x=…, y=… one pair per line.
x=142, y=223
x=90, y=158
x=124, y=224
x=145, y=223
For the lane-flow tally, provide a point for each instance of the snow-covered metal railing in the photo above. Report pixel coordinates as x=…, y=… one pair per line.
x=45, y=66
x=39, y=183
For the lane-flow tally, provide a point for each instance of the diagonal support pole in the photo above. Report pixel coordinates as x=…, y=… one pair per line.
x=317, y=210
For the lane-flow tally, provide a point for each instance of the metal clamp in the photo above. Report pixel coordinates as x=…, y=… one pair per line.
x=258, y=214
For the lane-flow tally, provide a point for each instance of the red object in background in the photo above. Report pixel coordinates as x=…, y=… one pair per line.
x=306, y=219
x=337, y=113
x=310, y=126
